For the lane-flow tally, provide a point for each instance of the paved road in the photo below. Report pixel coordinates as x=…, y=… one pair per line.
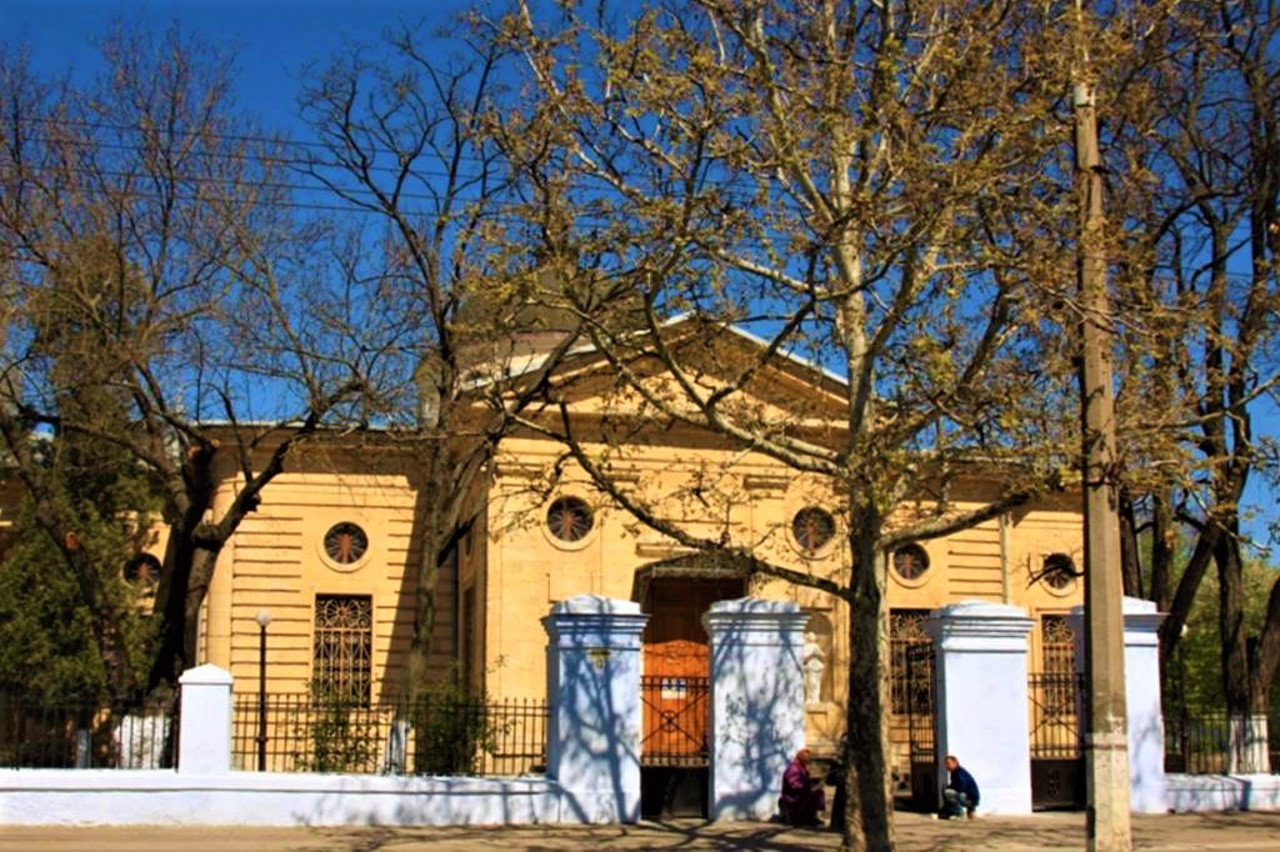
x=1227, y=832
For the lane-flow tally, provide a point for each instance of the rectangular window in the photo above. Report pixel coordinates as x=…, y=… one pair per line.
x=342, y=650
x=1058, y=661
x=910, y=661
x=1057, y=645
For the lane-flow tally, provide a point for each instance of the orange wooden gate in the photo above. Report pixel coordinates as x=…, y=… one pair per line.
x=676, y=684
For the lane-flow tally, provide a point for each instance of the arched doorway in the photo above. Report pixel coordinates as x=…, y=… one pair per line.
x=676, y=681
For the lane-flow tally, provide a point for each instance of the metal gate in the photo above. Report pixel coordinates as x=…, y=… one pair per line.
x=677, y=716
x=1057, y=744
x=919, y=699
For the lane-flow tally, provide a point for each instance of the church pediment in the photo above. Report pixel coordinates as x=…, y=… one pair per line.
x=696, y=365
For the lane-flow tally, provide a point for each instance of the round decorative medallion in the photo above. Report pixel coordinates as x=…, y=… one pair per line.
x=813, y=528
x=1059, y=571
x=570, y=519
x=910, y=561
x=345, y=543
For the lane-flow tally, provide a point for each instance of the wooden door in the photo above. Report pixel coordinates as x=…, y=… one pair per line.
x=677, y=668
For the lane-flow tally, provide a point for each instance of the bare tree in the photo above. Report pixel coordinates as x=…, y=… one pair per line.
x=1197, y=175
x=861, y=184
x=153, y=259
x=401, y=141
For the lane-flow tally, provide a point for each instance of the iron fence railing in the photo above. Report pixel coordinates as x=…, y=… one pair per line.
x=87, y=735
x=1201, y=743
x=434, y=736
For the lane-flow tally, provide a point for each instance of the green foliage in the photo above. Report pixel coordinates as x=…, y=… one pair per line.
x=1195, y=673
x=342, y=733
x=452, y=729
x=48, y=647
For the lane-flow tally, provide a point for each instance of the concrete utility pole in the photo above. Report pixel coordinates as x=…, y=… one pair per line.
x=1106, y=740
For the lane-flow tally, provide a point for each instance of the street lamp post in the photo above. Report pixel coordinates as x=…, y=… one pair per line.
x=264, y=618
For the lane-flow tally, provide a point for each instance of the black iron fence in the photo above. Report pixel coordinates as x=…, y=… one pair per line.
x=87, y=735
x=1201, y=743
x=1057, y=728
x=434, y=736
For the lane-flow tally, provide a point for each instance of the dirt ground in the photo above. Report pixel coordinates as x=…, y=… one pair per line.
x=1241, y=832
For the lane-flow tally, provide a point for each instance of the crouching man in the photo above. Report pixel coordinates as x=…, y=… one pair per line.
x=961, y=793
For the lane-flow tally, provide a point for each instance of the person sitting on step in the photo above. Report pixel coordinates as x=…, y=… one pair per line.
x=802, y=796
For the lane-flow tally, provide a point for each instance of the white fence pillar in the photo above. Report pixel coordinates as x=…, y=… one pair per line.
x=757, y=703
x=204, y=728
x=593, y=683
x=1147, y=788
x=1148, y=792
x=982, y=708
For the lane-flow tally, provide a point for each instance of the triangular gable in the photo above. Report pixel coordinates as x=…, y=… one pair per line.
x=786, y=388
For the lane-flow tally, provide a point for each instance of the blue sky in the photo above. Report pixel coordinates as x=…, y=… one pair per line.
x=274, y=40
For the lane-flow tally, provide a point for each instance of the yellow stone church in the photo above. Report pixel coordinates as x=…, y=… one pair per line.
x=330, y=556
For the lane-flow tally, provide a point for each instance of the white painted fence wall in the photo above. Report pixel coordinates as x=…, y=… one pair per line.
x=595, y=645
x=164, y=797
x=206, y=791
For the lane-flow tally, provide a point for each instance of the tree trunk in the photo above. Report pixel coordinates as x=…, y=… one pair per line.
x=1241, y=755
x=868, y=824
x=1264, y=654
x=434, y=541
x=1185, y=597
x=1130, y=559
x=170, y=657
x=1162, y=555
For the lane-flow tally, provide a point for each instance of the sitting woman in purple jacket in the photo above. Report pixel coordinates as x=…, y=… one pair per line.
x=802, y=796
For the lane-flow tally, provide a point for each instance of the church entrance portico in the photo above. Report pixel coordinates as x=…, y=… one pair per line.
x=675, y=685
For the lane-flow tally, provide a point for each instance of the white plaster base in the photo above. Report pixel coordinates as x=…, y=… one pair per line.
x=1210, y=793
x=163, y=797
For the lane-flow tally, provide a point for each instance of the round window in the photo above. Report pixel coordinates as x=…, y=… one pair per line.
x=1059, y=570
x=813, y=528
x=143, y=569
x=345, y=543
x=911, y=561
x=570, y=519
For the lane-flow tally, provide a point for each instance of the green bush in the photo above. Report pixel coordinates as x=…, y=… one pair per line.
x=452, y=730
x=342, y=734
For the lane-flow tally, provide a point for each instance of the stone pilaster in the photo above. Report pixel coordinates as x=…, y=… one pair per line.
x=1147, y=786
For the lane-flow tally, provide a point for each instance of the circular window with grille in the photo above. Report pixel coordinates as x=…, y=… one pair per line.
x=569, y=519
x=346, y=543
x=143, y=570
x=911, y=562
x=813, y=529
x=1059, y=571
